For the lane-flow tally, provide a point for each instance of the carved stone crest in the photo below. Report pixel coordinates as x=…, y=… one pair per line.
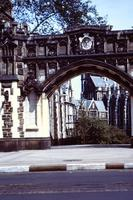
x=86, y=42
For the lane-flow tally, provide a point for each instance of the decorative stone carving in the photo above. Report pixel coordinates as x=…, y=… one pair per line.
x=99, y=44
x=6, y=95
x=31, y=83
x=86, y=42
x=74, y=45
x=52, y=49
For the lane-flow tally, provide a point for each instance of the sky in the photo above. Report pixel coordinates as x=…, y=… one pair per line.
x=119, y=14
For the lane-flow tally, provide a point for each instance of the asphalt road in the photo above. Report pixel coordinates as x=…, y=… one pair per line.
x=93, y=185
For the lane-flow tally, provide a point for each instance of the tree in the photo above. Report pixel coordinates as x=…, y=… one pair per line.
x=46, y=16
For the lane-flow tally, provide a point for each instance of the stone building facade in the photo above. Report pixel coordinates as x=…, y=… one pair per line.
x=63, y=113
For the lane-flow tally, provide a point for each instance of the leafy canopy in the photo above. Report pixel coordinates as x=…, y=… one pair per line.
x=46, y=16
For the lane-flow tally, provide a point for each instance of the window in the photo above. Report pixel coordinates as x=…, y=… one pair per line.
x=92, y=114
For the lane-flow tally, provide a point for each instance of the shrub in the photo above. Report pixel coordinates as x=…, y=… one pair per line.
x=95, y=131
x=118, y=136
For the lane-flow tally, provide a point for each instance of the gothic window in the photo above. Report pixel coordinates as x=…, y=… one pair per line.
x=52, y=67
x=62, y=48
x=121, y=45
x=41, y=51
x=41, y=75
x=19, y=51
x=93, y=106
x=41, y=71
x=3, y=69
x=130, y=46
x=109, y=47
x=31, y=52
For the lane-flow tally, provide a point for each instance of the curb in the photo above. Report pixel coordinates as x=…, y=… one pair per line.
x=81, y=167
x=66, y=167
x=47, y=168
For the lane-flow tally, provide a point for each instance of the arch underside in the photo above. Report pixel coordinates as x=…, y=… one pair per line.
x=91, y=66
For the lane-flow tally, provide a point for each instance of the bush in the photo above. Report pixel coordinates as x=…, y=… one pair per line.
x=118, y=136
x=95, y=131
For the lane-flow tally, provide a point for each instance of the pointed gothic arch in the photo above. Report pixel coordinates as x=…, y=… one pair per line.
x=87, y=65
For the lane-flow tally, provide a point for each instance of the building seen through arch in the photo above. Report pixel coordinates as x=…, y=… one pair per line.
x=101, y=98
x=115, y=98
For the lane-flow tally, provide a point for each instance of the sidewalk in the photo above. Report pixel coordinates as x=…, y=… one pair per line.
x=62, y=158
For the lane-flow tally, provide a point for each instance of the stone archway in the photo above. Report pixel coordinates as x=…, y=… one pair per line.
x=28, y=60
x=91, y=66
x=94, y=67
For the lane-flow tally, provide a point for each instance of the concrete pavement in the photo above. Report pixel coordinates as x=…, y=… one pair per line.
x=75, y=157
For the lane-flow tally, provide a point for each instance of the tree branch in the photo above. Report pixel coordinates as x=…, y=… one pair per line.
x=41, y=22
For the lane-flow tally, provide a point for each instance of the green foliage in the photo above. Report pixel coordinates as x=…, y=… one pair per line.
x=118, y=136
x=95, y=131
x=46, y=16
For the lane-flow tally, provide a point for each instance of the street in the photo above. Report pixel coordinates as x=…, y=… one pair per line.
x=93, y=185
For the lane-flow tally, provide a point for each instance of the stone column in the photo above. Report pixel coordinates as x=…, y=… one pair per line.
x=108, y=105
x=125, y=111
x=116, y=107
x=59, y=117
x=63, y=117
x=132, y=121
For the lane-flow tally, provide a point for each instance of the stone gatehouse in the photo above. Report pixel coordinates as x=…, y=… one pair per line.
x=33, y=66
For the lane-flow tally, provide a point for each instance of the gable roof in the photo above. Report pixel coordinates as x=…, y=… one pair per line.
x=99, y=105
x=100, y=82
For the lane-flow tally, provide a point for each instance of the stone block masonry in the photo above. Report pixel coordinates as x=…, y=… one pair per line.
x=7, y=119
